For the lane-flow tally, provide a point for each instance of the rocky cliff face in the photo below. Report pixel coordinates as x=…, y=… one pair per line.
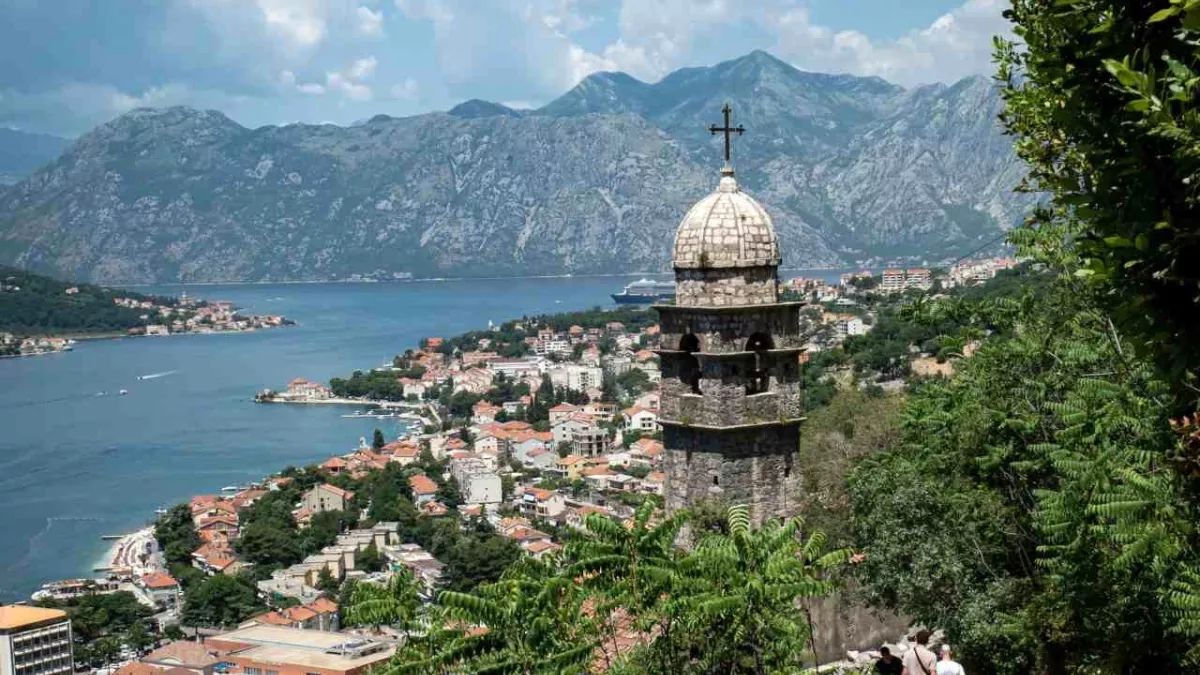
x=596, y=181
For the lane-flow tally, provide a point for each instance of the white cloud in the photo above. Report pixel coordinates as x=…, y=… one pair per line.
x=408, y=90
x=370, y=22
x=658, y=36
x=312, y=89
x=362, y=69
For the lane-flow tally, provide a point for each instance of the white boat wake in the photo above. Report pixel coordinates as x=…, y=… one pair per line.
x=153, y=376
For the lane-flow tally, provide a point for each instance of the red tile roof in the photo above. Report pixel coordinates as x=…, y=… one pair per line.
x=422, y=485
x=159, y=581
x=323, y=605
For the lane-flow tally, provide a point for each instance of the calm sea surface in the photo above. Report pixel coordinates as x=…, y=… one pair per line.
x=75, y=465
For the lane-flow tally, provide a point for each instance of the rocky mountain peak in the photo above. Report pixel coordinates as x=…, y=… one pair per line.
x=850, y=168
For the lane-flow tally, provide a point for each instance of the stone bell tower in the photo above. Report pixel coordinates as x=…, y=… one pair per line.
x=730, y=407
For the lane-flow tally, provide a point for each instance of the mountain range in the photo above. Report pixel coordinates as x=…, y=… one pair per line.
x=21, y=152
x=851, y=169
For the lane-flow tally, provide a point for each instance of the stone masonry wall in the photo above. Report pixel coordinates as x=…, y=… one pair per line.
x=754, y=466
x=726, y=287
x=731, y=330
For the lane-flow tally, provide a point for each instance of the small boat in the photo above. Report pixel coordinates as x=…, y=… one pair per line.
x=230, y=488
x=161, y=511
x=123, y=392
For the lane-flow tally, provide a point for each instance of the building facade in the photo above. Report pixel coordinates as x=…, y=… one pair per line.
x=730, y=408
x=35, y=641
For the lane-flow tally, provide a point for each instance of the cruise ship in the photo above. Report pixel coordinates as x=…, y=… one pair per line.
x=645, y=291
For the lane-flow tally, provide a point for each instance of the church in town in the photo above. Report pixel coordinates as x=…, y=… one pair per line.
x=731, y=407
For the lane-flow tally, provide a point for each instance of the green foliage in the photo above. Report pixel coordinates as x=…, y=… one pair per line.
x=369, y=559
x=729, y=606
x=397, y=603
x=219, y=601
x=266, y=543
x=1028, y=511
x=95, y=616
x=176, y=534
x=326, y=582
x=1100, y=97
x=835, y=439
x=42, y=306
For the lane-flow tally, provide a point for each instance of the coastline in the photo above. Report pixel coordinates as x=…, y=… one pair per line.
x=597, y=275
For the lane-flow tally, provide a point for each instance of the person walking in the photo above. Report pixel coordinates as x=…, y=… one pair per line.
x=920, y=660
x=887, y=664
x=948, y=666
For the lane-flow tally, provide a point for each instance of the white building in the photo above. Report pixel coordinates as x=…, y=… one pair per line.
x=481, y=488
x=35, y=641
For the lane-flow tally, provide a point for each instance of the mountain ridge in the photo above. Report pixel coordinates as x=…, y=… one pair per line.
x=594, y=181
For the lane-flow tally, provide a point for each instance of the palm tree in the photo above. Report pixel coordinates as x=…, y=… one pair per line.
x=397, y=603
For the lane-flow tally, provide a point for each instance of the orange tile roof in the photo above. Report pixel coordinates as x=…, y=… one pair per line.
x=159, y=580
x=323, y=605
x=185, y=653
x=563, y=407
x=137, y=668
x=422, y=485
x=656, y=477
x=299, y=613
x=569, y=460
x=272, y=619
x=539, y=493
x=344, y=494
x=334, y=463
x=541, y=545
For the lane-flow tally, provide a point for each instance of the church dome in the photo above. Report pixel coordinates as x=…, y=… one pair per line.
x=726, y=229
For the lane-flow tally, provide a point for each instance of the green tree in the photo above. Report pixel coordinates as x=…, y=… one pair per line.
x=1044, y=452
x=1100, y=96
x=220, y=601
x=369, y=559
x=398, y=603
x=265, y=543
x=326, y=582
x=176, y=534
x=138, y=638
x=377, y=440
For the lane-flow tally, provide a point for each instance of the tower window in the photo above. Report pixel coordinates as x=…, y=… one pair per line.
x=689, y=367
x=759, y=342
x=716, y=480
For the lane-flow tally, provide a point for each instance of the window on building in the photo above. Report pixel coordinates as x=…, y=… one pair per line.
x=252, y=671
x=689, y=368
x=716, y=480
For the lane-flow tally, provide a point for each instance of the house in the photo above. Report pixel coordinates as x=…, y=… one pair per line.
x=195, y=657
x=335, y=465
x=590, y=442
x=571, y=467
x=541, y=547
x=561, y=412
x=226, y=525
x=215, y=558
x=576, y=516
x=433, y=508
x=639, y=419
x=423, y=488
x=645, y=452
x=326, y=497
x=481, y=488
x=565, y=428
x=306, y=390
x=539, y=503
x=484, y=412
x=648, y=401
x=540, y=458
x=653, y=482
x=159, y=588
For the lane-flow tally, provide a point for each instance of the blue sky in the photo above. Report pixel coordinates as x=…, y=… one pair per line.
x=72, y=64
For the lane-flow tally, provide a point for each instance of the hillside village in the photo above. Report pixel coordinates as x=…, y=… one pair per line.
x=527, y=429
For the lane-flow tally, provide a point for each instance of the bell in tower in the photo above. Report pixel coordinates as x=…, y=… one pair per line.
x=730, y=407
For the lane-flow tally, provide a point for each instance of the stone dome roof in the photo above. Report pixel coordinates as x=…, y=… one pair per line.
x=726, y=229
